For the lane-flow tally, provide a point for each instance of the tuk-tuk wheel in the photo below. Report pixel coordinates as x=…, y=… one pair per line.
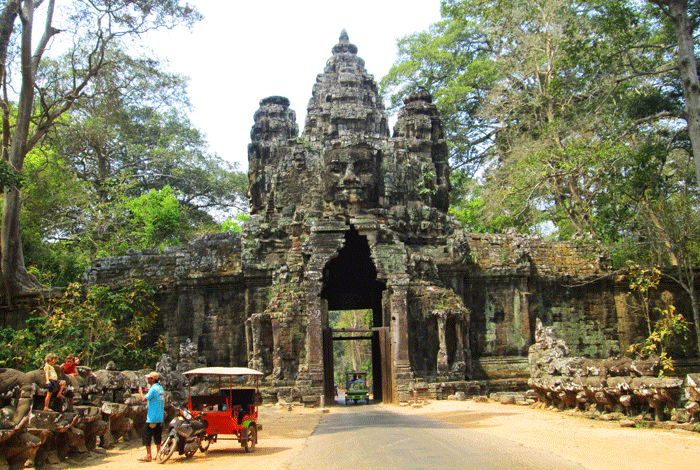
x=250, y=437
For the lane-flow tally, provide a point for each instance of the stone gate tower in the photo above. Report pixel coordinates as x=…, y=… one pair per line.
x=347, y=217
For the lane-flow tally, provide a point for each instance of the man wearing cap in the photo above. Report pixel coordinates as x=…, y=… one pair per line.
x=156, y=412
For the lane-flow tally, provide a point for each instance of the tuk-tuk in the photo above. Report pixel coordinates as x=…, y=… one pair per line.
x=356, y=387
x=231, y=412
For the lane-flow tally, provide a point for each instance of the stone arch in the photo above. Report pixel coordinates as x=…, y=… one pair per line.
x=341, y=276
x=350, y=279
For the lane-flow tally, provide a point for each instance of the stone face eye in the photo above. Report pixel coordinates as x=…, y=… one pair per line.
x=363, y=166
x=336, y=168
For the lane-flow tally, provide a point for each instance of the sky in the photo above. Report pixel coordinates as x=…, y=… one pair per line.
x=244, y=51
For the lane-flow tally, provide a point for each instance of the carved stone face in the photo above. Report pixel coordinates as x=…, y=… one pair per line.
x=351, y=177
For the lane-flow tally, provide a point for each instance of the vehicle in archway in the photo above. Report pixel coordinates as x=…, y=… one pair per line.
x=356, y=387
x=230, y=410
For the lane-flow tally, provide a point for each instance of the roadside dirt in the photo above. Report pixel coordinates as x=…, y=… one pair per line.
x=593, y=444
x=283, y=434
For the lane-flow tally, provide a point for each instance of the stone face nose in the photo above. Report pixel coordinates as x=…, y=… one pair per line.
x=350, y=176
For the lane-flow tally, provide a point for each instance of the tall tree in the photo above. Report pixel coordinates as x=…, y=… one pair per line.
x=548, y=91
x=683, y=15
x=95, y=25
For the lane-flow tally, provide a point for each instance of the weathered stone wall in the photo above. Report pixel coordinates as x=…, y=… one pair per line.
x=214, y=314
x=574, y=259
x=200, y=292
x=503, y=299
x=207, y=299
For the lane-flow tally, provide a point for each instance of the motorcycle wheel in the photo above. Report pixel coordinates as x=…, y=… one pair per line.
x=204, y=444
x=166, y=450
x=250, y=438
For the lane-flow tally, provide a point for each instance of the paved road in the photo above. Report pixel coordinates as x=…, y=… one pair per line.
x=374, y=437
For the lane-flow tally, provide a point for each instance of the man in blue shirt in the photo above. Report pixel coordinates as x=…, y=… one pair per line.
x=156, y=412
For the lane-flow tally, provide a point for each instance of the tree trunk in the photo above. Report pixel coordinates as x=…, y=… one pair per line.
x=14, y=275
x=687, y=66
x=695, y=303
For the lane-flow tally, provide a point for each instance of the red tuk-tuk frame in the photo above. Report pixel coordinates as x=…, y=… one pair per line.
x=231, y=411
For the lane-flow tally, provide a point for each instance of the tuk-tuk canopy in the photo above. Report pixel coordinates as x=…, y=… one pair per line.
x=226, y=371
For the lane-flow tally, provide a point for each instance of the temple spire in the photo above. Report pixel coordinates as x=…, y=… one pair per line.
x=344, y=44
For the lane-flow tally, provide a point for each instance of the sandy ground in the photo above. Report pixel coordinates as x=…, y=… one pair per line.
x=593, y=444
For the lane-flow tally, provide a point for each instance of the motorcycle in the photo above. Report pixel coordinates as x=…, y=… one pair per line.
x=186, y=433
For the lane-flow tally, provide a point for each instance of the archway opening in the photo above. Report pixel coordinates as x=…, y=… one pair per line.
x=350, y=284
x=350, y=279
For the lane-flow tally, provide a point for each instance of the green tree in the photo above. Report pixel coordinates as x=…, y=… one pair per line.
x=94, y=26
x=98, y=324
x=234, y=224
x=134, y=132
x=683, y=16
x=351, y=355
x=54, y=201
x=531, y=92
x=155, y=216
x=127, y=139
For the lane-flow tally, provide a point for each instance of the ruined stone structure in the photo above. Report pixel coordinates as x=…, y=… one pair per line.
x=609, y=388
x=348, y=216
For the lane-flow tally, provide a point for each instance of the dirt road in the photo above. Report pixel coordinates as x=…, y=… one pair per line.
x=592, y=444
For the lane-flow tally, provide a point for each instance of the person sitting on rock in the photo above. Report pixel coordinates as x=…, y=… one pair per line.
x=51, y=380
x=69, y=367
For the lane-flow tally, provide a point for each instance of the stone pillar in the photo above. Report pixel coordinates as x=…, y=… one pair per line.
x=249, y=340
x=443, y=366
x=276, y=351
x=314, y=328
x=523, y=315
x=255, y=359
x=460, y=366
x=399, y=331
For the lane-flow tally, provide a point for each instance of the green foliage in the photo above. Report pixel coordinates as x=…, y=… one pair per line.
x=235, y=224
x=468, y=206
x=557, y=108
x=98, y=324
x=668, y=331
x=54, y=85
x=112, y=174
x=52, y=198
x=155, y=217
x=426, y=185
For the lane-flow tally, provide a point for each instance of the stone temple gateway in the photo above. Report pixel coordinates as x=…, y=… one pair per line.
x=348, y=216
